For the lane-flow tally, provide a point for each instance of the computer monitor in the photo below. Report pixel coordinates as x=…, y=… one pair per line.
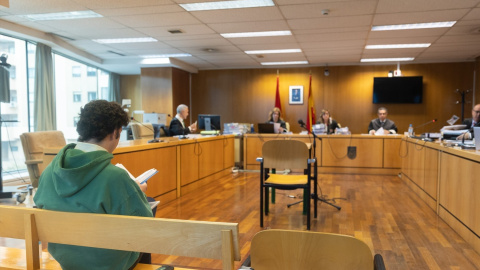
x=209, y=122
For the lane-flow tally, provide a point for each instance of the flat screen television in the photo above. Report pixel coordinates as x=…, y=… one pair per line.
x=398, y=89
x=209, y=122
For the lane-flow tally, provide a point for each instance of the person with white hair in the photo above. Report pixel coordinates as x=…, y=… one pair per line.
x=177, y=125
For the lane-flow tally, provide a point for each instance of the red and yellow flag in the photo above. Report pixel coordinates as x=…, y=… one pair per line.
x=311, y=108
x=278, y=104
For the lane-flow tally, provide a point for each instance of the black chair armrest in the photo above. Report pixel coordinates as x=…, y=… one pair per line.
x=378, y=263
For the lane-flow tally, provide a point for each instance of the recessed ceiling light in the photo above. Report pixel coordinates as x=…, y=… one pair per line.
x=398, y=46
x=227, y=5
x=125, y=40
x=63, y=15
x=274, y=51
x=285, y=63
x=413, y=26
x=387, y=59
x=155, y=61
x=166, y=55
x=257, y=34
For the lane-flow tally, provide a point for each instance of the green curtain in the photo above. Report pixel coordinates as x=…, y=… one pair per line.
x=114, y=88
x=44, y=106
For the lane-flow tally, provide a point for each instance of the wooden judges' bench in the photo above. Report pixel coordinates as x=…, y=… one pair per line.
x=183, y=165
x=374, y=154
x=448, y=180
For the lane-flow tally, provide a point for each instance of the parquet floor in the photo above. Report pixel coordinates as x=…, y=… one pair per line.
x=380, y=210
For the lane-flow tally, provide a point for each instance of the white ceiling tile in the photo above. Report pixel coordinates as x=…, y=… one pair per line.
x=269, y=46
x=333, y=44
x=261, y=40
x=140, y=46
x=97, y=4
x=389, y=6
x=139, y=10
x=22, y=7
x=333, y=22
x=296, y=2
x=239, y=15
x=436, y=32
x=474, y=14
x=256, y=26
x=401, y=40
x=185, y=38
x=332, y=36
x=331, y=30
x=346, y=51
x=89, y=24
x=188, y=30
x=206, y=43
x=200, y=51
x=150, y=20
x=335, y=9
x=391, y=53
x=419, y=17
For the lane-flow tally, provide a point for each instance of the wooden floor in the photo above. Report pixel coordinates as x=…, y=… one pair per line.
x=380, y=210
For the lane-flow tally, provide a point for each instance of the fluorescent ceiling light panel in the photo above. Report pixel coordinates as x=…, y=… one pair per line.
x=155, y=61
x=284, y=63
x=166, y=55
x=398, y=46
x=387, y=59
x=125, y=40
x=227, y=5
x=63, y=15
x=413, y=26
x=274, y=51
x=257, y=34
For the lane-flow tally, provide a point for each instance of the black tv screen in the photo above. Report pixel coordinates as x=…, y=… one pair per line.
x=398, y=89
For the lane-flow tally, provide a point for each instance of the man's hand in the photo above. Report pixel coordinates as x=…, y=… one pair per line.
x=371, y=132
x=386, y=132
x=143, y=186
x=467, y=136
x=193, y=127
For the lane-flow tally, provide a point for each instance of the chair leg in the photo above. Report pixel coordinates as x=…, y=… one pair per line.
x=261, y=195
x=273, y=194
x=308, y=209
x=266, y=200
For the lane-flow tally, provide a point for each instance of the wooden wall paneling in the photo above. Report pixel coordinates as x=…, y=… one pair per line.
x=228, y=153
x=180, y=92
x=369, y=152
x=459, y=189
x=248, y=95
x=253, y=147
x=417, y=164
x=392, y=153
x=431, y=172
x=163, y=159
x=189, y=154
x=130, y=88
x=211, y=157
x=157, y=93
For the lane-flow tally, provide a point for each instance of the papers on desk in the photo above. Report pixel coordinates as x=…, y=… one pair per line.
x=380, y=131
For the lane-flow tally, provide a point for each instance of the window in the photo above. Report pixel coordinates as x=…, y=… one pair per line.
x=76, y=71
x=13, y=72
x=77, y=97
x=31, y=73
x=91, y=71
x=92, y=96
x=75, y=120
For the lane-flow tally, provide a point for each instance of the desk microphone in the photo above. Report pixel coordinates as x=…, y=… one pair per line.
x=150, y=141
x=424, y=124
x=302, y=124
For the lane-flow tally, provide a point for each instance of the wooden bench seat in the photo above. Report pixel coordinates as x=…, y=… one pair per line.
x=200, y=239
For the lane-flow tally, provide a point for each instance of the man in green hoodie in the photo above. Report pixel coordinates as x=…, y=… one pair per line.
x=81, y=178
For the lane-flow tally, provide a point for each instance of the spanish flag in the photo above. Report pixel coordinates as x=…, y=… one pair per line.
x=311, y=108
x=278, y=104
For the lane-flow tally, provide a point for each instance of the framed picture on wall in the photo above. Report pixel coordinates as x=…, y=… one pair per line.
x=295, y=94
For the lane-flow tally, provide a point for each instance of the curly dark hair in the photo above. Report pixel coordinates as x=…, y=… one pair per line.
x=99, y=118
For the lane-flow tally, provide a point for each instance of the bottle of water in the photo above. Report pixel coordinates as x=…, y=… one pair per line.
x=410, y=131
x=252, y=129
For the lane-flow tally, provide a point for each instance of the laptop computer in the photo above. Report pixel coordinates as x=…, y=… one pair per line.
x=266, y=128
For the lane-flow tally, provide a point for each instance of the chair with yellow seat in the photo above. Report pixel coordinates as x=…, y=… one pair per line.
x=33, y=144
x=284, y=249
x=142, y=131
x=280, y=155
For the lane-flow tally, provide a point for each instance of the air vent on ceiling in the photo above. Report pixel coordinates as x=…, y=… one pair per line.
x=210, y=50
x=117, y=53
x=259, y=56
x=64, y=37
x=175, y=31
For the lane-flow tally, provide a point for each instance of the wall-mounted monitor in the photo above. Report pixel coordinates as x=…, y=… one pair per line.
x=209, y=122
x=398, y=89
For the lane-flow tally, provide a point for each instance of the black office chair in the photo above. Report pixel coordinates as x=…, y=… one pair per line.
x=283, y=154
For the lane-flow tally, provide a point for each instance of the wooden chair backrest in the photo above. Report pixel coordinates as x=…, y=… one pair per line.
x=142, y=131
x=282, y=249
x=200, y=239
x=285, y=154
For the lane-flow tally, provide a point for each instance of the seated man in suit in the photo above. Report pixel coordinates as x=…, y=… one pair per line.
x=471, y=122
x=382, y=122
x=177, y=126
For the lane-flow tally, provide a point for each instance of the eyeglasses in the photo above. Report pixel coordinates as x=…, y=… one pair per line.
x=476, y=112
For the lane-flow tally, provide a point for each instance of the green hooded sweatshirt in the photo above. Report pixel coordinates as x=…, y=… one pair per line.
x=87, y=182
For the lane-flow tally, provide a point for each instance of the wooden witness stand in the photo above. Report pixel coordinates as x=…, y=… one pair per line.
x=201, y=239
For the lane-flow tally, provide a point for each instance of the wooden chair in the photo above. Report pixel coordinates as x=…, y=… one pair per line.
x=201, y=239
x=33, y=144
x=283, y=249
x=142, y=131
x=286, y=154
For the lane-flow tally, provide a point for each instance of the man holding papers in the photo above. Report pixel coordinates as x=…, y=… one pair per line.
x=382, y=124
x=471, y=123
x=81, y=178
